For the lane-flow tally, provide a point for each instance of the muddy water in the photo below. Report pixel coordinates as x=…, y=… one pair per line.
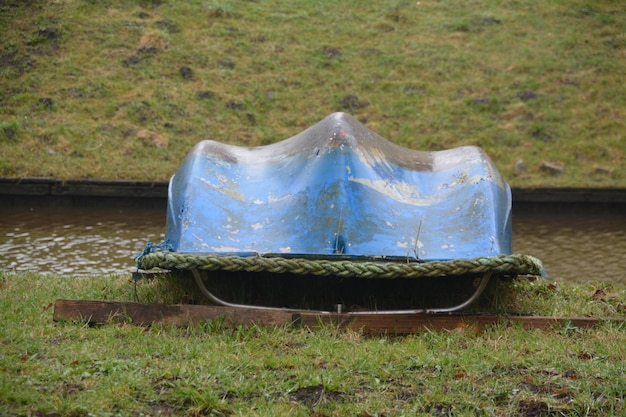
x=76, y=241
x=582, y=246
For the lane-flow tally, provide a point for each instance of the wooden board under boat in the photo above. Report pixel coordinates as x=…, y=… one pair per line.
x=94, y=311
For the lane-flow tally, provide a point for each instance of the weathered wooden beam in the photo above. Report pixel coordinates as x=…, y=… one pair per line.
x=92, y=311
x=378, y=323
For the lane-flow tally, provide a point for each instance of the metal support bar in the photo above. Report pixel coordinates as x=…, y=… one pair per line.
x=484, y=280
x=219, y=301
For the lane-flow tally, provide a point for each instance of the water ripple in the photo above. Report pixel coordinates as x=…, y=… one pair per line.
x=76, y=242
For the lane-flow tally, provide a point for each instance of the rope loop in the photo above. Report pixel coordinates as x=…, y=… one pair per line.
x=518, y=264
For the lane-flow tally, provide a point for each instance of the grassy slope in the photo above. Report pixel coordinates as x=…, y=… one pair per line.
x=123, y=89
x=50, y=369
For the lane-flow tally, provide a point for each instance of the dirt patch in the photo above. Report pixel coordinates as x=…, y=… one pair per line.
x=162, y=408
x=316, y=394
x=49, y=33
x=439, y=409
x=10, y=132
x=186, y=72
x=487, y=21
x=148, y=50
x=352, y=102
x=18, y=63
x=227, y=64
x=46, y=103
x=205, y=95
x=168, y=26
x=131, y=60
x=534, y=408
x=234, y=105
x=527, y=95
x=332, y=53
x=70, y=389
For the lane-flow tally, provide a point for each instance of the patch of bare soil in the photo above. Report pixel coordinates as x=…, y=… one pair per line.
x=315, y=395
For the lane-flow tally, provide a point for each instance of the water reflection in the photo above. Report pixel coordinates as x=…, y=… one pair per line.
x=582, y=246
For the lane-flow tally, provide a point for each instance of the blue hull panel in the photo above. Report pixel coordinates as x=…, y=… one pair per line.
x=338, y=189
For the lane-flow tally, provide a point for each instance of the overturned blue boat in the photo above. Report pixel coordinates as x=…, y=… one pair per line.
x=339, y=201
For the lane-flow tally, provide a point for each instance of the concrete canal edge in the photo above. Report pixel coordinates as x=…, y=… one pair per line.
x=52, y=192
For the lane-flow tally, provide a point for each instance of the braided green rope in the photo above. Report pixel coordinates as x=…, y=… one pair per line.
x=505, y=264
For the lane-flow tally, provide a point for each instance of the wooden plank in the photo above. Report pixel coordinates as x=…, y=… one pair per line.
x=93, y=311
x=379, y=323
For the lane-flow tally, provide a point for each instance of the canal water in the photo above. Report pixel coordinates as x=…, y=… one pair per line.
x=575, y=245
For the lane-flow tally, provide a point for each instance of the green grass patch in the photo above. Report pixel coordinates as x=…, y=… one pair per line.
x=117, y=368
x=122, y=90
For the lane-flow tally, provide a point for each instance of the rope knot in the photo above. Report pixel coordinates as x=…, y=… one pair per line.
x=152, y=248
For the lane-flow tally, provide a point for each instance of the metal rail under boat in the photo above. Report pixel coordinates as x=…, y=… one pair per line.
x=484, y=280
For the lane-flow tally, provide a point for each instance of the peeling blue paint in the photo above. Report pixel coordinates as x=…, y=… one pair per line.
x=338, y=189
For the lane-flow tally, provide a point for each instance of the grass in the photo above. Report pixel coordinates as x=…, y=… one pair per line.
x=120, y=369
x=123, y=89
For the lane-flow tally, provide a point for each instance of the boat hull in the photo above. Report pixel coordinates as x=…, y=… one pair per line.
x=338, y=189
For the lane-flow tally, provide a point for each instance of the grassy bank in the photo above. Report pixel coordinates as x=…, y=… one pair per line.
x=122, y=89
x=70, y=369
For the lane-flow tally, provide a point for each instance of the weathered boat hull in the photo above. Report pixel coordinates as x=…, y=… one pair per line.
x=338, y=189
